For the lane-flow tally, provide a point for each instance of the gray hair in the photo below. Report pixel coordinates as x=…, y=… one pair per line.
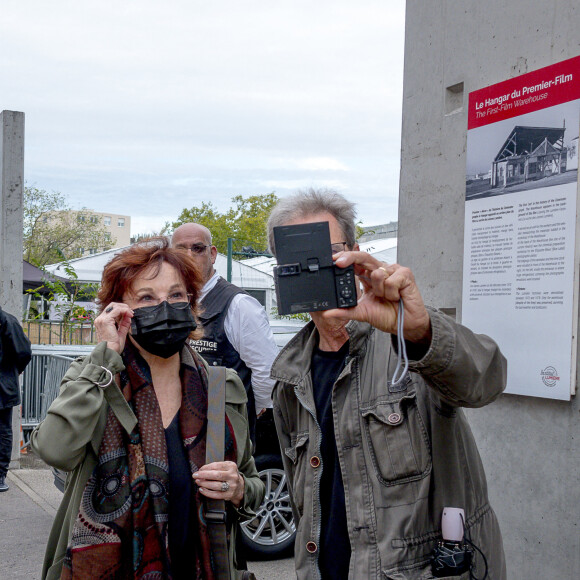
x=312, y=201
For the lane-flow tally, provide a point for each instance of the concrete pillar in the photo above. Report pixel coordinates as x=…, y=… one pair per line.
x=529, y=446
x=11, y=187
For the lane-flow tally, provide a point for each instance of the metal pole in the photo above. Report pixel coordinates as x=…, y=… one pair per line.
x=230, y=251
x=11, y=231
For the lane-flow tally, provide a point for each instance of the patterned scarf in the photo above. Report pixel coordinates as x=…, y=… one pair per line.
x=121, y=528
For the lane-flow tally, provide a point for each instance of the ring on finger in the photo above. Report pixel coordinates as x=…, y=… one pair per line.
x=225, y=486
x=383, y=269
x=109, y=309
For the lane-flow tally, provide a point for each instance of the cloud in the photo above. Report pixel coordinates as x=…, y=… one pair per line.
x=149, y=224
x=321, y=164
x=143, y=109
x=293, y=184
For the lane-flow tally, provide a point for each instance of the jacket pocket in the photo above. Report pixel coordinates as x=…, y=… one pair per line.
x=398, y=440
x=297, y=445
x=296, y=451
x=421, y=575
x=212, y=360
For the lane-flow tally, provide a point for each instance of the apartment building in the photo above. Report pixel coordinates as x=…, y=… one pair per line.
x=117, y=230
x=118, y=227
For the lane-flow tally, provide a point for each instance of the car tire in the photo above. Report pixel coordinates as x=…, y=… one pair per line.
x=272, y=532
x=59, y=478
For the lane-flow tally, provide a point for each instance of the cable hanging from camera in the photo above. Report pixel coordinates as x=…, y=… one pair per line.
x=398, y=374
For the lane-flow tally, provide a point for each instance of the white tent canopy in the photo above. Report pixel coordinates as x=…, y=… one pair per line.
x=384, y=250
x=259, y=284
x=89, y=269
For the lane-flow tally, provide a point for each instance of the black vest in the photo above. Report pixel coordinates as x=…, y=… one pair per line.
x=215, y=347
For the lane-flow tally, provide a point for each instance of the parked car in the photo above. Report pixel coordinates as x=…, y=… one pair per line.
x=284, y=330
x=272, y=532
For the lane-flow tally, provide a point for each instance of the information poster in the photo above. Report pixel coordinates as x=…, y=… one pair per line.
x=520, y=274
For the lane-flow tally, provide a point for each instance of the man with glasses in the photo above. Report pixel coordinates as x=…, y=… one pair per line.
x=237, y=333
x=371, y=461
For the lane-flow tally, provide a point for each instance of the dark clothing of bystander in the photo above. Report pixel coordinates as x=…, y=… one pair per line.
x=15, y=354
x=216, y=349
x=5, y=440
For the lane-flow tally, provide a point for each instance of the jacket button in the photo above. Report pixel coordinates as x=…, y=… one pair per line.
x=311, y=547
x=314, y=461
x=394, y=418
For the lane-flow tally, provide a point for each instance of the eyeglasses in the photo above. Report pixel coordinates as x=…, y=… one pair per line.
x=338, y=247
x=178, y=300
x=196, y=248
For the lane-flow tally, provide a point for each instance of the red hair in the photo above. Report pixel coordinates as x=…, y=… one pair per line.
x=126, y=266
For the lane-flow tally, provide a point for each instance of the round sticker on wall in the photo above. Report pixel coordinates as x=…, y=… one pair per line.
x=550, y=376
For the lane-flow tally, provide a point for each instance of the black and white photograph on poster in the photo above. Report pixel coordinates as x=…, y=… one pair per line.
x=520, y=264
x=533, y=151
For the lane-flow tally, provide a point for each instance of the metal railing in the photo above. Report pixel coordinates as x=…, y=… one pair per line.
x=41, y=382
x=60, y=332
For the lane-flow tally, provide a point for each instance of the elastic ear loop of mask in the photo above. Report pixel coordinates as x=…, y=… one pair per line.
x=398, y=376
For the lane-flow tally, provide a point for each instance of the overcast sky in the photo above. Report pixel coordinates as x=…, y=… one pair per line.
x=144, y=108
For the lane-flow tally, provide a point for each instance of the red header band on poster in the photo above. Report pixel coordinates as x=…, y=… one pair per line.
x=545, y=87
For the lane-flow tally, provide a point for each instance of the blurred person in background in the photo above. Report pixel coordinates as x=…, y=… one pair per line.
x=15, y=354
x=236, y=330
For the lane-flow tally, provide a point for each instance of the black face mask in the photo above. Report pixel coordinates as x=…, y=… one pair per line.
x=162, y=329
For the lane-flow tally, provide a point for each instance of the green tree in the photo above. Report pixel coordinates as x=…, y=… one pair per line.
x=245, y=221
x=249, y=217
x=208, y=216
x=53, y=232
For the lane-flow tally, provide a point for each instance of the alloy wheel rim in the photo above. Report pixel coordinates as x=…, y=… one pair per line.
x=274, y=522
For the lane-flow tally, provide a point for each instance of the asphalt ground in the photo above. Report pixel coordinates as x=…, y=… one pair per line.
x=27, y=510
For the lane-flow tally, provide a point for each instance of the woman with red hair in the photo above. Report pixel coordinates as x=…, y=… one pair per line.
x=130, y=426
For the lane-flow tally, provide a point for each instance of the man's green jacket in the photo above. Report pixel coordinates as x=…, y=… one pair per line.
x=405, y=451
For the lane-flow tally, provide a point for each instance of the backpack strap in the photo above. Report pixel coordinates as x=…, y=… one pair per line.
x=215, y=509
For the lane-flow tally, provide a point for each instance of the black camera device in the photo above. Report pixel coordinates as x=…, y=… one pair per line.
x=306, y=278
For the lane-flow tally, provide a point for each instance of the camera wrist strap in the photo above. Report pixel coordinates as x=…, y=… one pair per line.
x=398, y=374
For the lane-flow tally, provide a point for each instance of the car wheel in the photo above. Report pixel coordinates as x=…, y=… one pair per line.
x=59, y=478
x=272, y=532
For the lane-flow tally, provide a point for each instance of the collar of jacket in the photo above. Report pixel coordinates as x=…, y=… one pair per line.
x=293, y=362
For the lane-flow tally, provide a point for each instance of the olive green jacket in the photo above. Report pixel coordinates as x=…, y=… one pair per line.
x=70, y=436
x=405, y=451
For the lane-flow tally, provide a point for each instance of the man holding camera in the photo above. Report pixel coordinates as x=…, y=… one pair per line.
x=237, y=333
x=372, y=462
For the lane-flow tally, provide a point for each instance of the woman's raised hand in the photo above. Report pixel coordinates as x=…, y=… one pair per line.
x=113, y=325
